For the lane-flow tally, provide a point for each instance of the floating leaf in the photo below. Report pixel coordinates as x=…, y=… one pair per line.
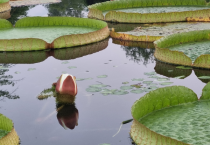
x=105, y=144
x=147, y=82
x=179, y=77
x=2, y=67
x=183, y=67
x=93, y=89
x=137, y=85
x=98, y=86
x=125, y=82
x=166, y=83
x=150, y=73
x=65, y=62
x=17, y=72
x=154, y=77
x=71, y=67
x=137, y=91
x=126, y=87
x=204, y=77
x=102, y=76
x=163, y=79
x=120, y=92
x=30, y=69
x=106, y=92
x=82, y=79
x=170, y=70
x=137, y=79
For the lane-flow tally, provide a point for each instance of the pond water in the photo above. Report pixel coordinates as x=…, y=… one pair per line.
x=25, y=75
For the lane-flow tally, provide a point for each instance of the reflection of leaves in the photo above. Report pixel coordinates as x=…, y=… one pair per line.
x=8, y=95
x=138, y=54
x=5, y=80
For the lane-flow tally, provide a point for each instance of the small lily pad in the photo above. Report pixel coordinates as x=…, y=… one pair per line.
x=65, y=62
x=93, y=89
x=98, y=86
x=126, y=87
x=120, y=92
x=17, y=72
x=183, y=67
x=137, y=79
x=137, y=85
x=125, y=82
x=147, y=82
x=82, y=79
x=150, y=73
x=30, y=69
x=170, y=70
x=166, y=83
x=163, y=79
x=106, y=92
x=2, y=67
x=137, y=91
x=71, y=67
x=154, y=77
x=102, y=76
x=179, y=77
x=204, y=77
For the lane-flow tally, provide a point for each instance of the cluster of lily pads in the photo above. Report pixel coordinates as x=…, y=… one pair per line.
x=136, y=85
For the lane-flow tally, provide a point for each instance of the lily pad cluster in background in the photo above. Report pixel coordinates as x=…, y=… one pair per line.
x=135, y=85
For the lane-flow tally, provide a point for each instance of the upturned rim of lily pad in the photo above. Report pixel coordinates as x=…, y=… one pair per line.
x=96, y=11
x=157, y=100
x=22, y=44
x=11, y=138
x=163, y=54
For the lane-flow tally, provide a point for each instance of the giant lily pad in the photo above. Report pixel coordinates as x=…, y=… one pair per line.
x=36, y=33
x=8, y=135
x=4, y=6
x=139, y=11
x=186, y=40
x=61, y=54
x=171, y=114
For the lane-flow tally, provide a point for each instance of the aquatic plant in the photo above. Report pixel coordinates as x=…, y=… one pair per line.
x=4, y=6
x=31, y=57
x=162, y=53
x=8, y=135
x=153, y=32
x=167, y=115
x=123, y=10
x=37, y=33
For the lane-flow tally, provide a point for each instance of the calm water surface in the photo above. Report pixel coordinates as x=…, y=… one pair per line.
x=99, y=116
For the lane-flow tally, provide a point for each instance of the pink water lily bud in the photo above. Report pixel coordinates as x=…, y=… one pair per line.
x=68, y=116
x=66, y=85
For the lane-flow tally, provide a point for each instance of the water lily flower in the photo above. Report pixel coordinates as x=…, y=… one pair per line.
x=66, y=85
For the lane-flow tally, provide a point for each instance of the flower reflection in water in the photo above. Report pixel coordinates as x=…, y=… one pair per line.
x=67, y=116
